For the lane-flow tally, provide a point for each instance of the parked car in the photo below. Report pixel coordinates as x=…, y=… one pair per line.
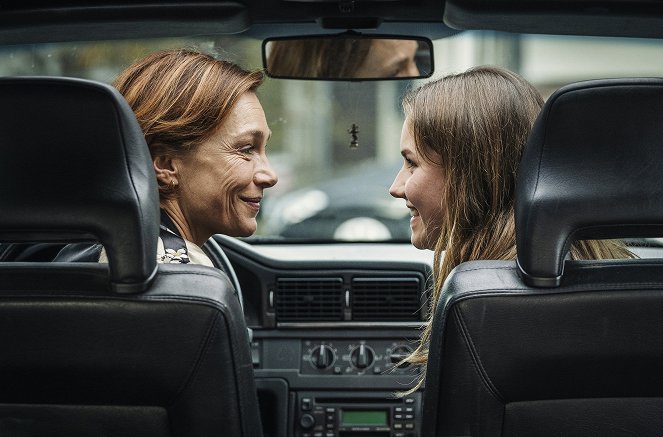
x=350, y=208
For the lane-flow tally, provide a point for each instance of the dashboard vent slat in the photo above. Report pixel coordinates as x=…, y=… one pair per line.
x=309, y=299
x=389, y=299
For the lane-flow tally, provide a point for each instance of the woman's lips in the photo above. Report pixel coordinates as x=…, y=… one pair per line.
x=415, y=215
x=253, y=202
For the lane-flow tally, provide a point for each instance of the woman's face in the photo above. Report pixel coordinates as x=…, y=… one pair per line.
x=390, y=58
x=221, y=182
x=420, y=183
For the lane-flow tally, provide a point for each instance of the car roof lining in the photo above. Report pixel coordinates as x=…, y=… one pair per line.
x=634, y=18
x=33, y=21
x=82, y=23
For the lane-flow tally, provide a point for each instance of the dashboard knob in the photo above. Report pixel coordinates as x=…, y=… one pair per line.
x=398, y=354
x=362, y=357
x=322, y=357
x=307, y=421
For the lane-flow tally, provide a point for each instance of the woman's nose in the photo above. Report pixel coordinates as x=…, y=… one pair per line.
x=266, y=176
x=397, y=187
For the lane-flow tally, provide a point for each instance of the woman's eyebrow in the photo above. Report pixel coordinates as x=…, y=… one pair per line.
x=256, y=134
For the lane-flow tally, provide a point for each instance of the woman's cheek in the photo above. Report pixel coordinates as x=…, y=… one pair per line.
x=412, y=190
x=227, y=191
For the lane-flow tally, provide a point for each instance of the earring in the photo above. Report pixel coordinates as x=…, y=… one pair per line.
x=173, y=184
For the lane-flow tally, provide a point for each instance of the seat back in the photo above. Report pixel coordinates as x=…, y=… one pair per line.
x=125, y=348
x=547, y=347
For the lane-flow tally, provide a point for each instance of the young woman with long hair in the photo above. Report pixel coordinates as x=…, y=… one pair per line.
x=461, y=142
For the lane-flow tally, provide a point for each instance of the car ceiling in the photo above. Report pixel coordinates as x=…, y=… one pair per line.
x=636, y=18
x=27, y=21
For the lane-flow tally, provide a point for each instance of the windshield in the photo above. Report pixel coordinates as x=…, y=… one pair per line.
x=335, y=145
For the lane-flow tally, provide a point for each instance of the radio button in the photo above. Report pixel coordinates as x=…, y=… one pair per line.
x=306, y=404
x=409, y=400
x=398, y=426
x=409, y=416
x=330, y=410
x=317, y=434
x=329, y=434
x=398, y=416
x=409, y=410
x=398, y=409
x=409, y=426
x=307, y=421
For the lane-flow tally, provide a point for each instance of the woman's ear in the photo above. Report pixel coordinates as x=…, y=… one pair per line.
x=166, y=171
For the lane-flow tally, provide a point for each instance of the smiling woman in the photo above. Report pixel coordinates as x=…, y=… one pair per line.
x=207, y=134
x=462, y=143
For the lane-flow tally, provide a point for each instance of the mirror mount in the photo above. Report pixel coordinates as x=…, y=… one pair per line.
x=339, y=23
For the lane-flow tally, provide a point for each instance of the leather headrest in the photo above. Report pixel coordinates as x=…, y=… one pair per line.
x=591, y=169
x=75, y=166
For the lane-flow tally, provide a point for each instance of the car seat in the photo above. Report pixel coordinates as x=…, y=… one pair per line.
x=118, y=349
x=546, y=346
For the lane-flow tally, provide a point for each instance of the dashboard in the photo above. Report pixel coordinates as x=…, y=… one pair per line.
x=329, y=325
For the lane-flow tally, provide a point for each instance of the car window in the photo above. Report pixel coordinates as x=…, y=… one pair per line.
x=335, y=145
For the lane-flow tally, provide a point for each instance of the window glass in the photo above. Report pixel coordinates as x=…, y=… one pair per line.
x=335, y=145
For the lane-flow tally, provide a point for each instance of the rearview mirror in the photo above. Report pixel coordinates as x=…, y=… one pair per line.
x=348, y=56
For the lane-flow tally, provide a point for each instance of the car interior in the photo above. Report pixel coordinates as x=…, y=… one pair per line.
x=301, y=329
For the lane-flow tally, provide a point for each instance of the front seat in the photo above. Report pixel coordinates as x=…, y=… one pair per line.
x=129, y=348
x=548, y=347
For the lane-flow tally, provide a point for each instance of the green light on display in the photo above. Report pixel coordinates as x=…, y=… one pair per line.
x=354, y=418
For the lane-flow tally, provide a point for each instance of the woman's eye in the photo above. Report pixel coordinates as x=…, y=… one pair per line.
x=409, y=163
x=247, y=149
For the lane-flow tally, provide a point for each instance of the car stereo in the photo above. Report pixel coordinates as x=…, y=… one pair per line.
x=329, y=414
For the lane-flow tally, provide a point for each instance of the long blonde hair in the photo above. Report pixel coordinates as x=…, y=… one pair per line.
x=474, y=125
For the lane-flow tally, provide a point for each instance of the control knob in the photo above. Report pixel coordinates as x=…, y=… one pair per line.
x=362, y=356
x=398, y=354
x=322, y=357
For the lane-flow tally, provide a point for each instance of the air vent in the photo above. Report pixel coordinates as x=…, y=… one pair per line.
x=386, y=299
x=309, y=299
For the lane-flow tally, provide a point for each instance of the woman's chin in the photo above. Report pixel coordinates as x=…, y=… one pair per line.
x=245, y=230
x=417, y=241
x=423, y=242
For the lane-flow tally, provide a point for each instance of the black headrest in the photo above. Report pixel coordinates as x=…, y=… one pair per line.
x=591, y=169
x=74, y=166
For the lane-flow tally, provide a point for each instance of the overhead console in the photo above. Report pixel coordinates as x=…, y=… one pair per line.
x=329, y=330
